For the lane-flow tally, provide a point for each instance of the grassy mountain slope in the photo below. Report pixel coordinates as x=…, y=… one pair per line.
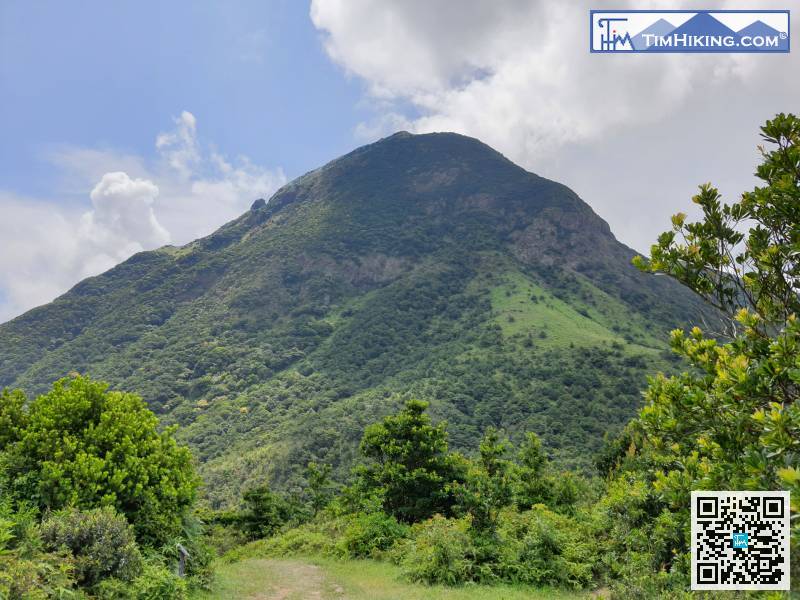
x=425, y=265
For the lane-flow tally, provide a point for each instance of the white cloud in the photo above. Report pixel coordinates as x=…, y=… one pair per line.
x=38, y=257
x=187, y=192
x=179, y=147
x=191, y=175
x=516, y=74
x=122, y=222
x=627, y=132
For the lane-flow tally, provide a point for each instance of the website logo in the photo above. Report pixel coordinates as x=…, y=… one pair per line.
x=689, y=31
x=739, y=540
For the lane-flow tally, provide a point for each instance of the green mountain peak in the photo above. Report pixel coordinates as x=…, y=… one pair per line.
x=420, y=265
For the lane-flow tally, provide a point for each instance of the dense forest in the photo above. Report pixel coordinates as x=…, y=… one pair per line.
x=452, y=406
x=420, y=266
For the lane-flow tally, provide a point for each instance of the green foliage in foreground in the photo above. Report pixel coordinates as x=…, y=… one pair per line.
x=100, y=541
x=81, y=445
x=93, y=498
x=536, y=547
x=81, y=555
x=496, y=528
x=733, y=422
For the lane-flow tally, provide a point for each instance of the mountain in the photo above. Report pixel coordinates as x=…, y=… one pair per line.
x=421, y=265
x=660, y=28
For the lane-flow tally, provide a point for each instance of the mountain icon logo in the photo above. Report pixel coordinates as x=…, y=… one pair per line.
x=685, y=31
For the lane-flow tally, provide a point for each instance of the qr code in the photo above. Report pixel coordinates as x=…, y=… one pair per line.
x=740, y=540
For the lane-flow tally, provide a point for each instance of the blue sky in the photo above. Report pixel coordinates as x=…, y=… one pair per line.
x=112, y=74
x=128, y=125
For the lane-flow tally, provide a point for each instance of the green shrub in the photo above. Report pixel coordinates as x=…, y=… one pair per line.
x=302, y=540
x=84, y=446
x=438, y=550
x=264, y=512
x=39, y=576
x=320, y=537
x=639, y=582
x=25, y=571
x=157, y=582
x=540, y=547
x=368, y=534
x=101, y=542
x=223, y=538
x=357, y=535
x=536, y=547
x=199, y=568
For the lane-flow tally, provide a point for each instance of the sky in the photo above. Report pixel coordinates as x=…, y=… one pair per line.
x=129, y=125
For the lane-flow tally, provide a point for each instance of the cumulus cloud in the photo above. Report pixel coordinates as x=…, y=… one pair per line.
x=626, y=131
x=515, y=73
x=122, y=221
x=189, y=190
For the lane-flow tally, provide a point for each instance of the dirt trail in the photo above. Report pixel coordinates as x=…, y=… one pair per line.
x=294, y=580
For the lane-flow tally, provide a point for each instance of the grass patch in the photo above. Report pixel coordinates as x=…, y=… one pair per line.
x=524, y=308
x=328, y=579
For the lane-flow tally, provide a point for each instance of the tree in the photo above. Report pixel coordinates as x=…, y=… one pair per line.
x=319, y=480
x=743, y=256
x=533, y=487
x=488, y=485
x=410, y=464
x=264, y=512
x=13, y=417
x=733, y=422
x=83, y=446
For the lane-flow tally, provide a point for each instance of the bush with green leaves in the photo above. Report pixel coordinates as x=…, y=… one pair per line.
x=438, y=550
x=488, y=484
x=321, y=537
x=101, y=542
x=40, y=576
x=535, y=547
x=409, y=463
x=542, y=547
x=369, y=534
x=263, y=512
x=733, y=421
x=82, y=445
x=27, y=572
x=156, y=582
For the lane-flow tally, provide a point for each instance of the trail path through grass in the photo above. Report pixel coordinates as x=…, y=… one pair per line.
x=323, y=579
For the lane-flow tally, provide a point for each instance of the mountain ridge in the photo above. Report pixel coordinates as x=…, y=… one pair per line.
x=426, y=265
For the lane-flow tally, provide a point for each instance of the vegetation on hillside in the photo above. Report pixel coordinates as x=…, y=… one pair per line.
x=731, y=421
x=424, y=266
x=96, y=501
